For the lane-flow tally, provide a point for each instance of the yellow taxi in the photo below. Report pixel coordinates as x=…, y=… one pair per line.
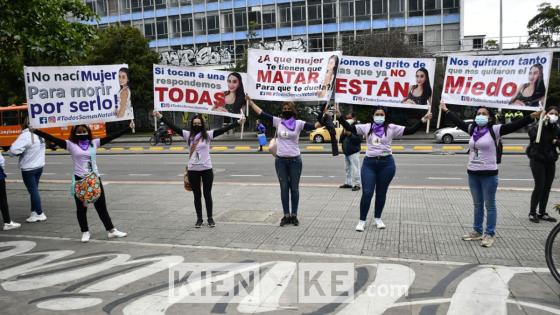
x=321, y=135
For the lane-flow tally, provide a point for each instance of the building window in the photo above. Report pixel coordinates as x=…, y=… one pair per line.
x=227, y=22
x=161, y=4
x=363, y=9
x=174, y=26
x=298, y=14
x=330, y=43
x=187, y=25
x=150, y=29
x=379, y=7
x=329, y=12
x=347, y=10
x=314, y=12
x=285, y=16
x=113, y=7
x=148, y=4
x=315, y=44
x=240, y=20
x=416, y=39
x=161, y=27
x=213, y=24
x=415, y=7
x=269, y=17
x=199, y=24
x=478, y=43
x=136, y=5
x=396, y=6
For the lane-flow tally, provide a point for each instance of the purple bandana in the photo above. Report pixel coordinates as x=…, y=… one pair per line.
x=84, y=144
x=479, y=132
x=379, y=130
x=289, y=123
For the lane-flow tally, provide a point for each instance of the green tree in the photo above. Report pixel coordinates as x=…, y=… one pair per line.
x=39, y=33
x=544, y=28
x=125, y=44
x=491, y=44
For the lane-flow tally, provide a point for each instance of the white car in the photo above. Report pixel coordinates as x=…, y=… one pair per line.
x=452, y=134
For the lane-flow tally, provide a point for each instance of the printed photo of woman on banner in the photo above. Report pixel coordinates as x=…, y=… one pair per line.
x=124, y=107
x=330, y=77
x=532, y=92
x=421, y=92
x=234, y=96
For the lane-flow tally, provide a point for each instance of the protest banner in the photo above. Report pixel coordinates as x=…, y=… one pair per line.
x=199, y=91
x=391, y=82
x=291, y=76
x=72, y=95
x=516, y=82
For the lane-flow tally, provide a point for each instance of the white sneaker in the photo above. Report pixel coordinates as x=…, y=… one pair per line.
x=116, y=233
x=361, y=225
x=12, y=225
x=34, y=217
x=379, y=224
x=85, y=237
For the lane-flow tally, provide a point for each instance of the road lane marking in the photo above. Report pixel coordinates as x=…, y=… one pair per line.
x=452, y=147
x=444, y=178
x=314, y=147
x=245, y=175
x=518, y=179
x=156, y=149
x=312, y=176
x=422, y=147
x=218, y=148
x=516, y=148
x=141, y=175
x=117, y=149
x=397, y=148
x=177, y=148
x=242, y=147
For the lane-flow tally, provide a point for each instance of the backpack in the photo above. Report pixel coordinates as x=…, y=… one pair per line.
x=497, y=142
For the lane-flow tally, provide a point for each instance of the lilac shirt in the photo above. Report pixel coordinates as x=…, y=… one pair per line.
x=379, y=146
x=287, y=140
x=82, y=158
x=482, y=154
x=200, y=159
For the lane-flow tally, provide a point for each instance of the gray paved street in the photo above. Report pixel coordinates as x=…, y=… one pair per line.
x=420, y=250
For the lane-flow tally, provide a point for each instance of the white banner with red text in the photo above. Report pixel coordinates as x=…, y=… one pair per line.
x=392, y=82
x=507, y=81
x=291, y=76
x=199, y=91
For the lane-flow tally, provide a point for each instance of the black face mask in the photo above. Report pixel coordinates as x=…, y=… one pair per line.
x=287, y=114
x=82, y=137
x=196, y=129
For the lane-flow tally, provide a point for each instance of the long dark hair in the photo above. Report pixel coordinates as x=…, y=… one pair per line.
x=427, y=87
x=335, y=71
x=74, y=138
x=239, y=94
x=125, y=70
x=385, y=124
x=203, y=133
x=540, y=89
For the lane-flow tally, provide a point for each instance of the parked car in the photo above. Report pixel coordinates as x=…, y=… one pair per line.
x=452, y=134
x=321, y=135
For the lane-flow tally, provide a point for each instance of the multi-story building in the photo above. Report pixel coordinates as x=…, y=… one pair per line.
x=195, y=32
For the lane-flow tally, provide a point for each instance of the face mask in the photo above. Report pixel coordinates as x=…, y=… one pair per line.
x=379, y=119
x=287, y=114
x=553, y=119
x=196, y=129
x=481, y=120
x=82, y=137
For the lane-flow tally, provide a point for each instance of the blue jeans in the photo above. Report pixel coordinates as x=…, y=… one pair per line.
x=377, y=174
x=483, y=190
x=289, y=172
x=31, y=181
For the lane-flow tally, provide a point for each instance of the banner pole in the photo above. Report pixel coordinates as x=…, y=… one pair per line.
x=438, y=119
x=428, y=123
x=539, y=129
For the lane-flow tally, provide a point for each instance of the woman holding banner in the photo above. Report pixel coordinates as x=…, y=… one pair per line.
x=485, y=151
x=82, y=147
x=531, y=93
x=421, y=92
x=200, y=163
x=288, y=160
x=378, y=167
x=543, y=156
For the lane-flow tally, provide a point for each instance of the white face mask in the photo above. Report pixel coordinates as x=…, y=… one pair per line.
x=379, y=119
x=552, y=118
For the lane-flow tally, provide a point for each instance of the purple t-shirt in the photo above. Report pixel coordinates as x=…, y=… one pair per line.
x=82, y=158
x=482, y=154
x=200, y=159
x=379, y=146
x=287, y=140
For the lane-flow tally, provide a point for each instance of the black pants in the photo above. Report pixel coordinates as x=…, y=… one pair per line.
x=543, y=173
x=101, y=207
x=205, y=179
x=4, y=202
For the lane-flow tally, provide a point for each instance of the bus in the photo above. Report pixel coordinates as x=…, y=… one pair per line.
x=12, y=117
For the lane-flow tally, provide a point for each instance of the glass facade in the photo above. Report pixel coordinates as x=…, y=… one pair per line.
x=220, y=27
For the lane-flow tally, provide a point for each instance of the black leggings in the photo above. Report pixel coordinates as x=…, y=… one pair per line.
x=101, y=207
x=543, y=173
x=205, y=177
x=4, y=202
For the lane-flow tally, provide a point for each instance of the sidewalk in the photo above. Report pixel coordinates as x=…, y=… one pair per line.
x=422, y=223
